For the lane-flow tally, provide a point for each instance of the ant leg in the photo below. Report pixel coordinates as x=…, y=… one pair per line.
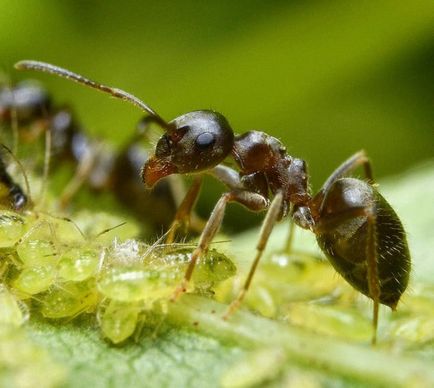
x=267, y=226
x=290, y=238
x=354, y=161
x=253, y=201
x=82, y=173
x=225, y=174
x=371, y=253
x=372, y=266
x=183, y=213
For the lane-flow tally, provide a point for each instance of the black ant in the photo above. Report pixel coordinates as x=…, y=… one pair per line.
x=354, y=225
x=28, y=109
x=12, y=195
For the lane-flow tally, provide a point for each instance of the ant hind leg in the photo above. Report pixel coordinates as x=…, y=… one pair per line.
x=372, y=266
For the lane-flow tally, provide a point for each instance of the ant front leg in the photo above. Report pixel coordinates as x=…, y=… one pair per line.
x=267, y=226
x=184, y=211
x=253, y=201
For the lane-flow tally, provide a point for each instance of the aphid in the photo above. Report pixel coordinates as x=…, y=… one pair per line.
x=68, y=300
x=137, y=272
x=12, y=311
x=136, y=278
x=78, y=264
x=118, y=320
x=354, y=225
x=12, y=227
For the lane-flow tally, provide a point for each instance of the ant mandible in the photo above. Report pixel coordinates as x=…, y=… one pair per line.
x=355, y=227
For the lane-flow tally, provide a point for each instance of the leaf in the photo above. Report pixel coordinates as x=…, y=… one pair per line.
x=192, y=346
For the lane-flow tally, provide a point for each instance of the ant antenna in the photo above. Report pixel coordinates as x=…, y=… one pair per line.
x=115, y=92
x=23, y=171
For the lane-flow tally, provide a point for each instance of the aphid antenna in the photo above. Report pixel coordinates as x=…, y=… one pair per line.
x=114, y=92
x=36, y=226
x=23, y=172
x=67, y=219
x=109, y=229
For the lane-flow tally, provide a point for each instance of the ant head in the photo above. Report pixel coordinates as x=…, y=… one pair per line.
x=193, y=142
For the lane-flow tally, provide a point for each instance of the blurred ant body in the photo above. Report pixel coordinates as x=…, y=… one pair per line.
x=29, y=108
x=355, y=227
x=12, y=195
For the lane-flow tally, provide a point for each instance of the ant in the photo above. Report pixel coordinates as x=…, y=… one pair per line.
x=11, y=194
x=354, y=225
x=27, y=109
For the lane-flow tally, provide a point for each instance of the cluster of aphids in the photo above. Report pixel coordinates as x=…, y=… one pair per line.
x=48, y=266
x=28, y=114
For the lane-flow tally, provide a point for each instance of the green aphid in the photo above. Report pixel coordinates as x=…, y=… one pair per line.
x=12, y=228
x=212, y=268
x=132, y=284
x=68, y=299
x=156, y=273
x=34, y=253
x=33, y=280
x=118, y=320
x=78, y=264
x=13, y=312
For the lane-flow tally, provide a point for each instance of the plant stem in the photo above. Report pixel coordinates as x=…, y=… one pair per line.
x=361, y=362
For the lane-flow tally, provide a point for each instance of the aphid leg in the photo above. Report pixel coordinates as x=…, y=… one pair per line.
x=182, y=216
x=372, y=267
x=267, y=226
x=252, y=200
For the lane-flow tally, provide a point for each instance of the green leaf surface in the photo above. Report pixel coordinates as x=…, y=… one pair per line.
x=191, y=345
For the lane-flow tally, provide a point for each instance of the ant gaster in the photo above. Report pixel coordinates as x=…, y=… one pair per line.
x=354, y=225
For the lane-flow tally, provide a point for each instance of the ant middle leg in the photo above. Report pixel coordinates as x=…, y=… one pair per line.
x=267, y=226
x=290, y=239
x=251, y=200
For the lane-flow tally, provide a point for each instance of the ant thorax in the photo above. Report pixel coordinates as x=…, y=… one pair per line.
x=263, y=156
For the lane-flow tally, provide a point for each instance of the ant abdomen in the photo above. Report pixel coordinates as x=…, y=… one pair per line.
x=356, y=227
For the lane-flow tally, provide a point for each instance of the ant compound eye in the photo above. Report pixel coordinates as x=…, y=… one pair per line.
x=205, y=140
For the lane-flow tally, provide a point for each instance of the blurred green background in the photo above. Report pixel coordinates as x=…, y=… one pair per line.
x=326, y=77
